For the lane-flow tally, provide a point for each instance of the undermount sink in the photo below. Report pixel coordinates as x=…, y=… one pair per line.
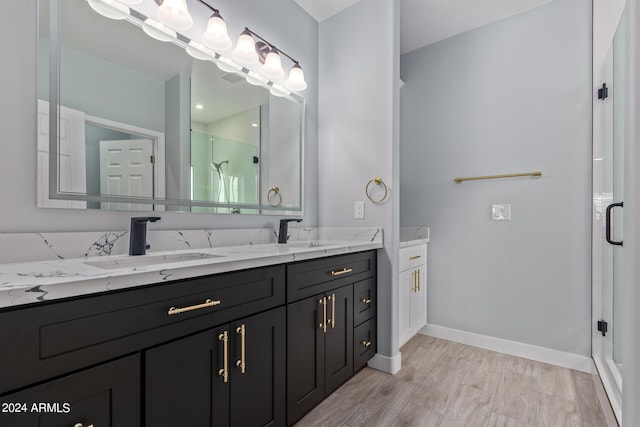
x=141, y=260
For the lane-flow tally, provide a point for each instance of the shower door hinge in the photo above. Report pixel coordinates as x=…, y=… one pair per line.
x=603, y=92
x=602, y=327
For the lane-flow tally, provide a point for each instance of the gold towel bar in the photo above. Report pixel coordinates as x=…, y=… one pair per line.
x=507, y=175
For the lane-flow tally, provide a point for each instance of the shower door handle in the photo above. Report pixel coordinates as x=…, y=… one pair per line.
x=607, y=225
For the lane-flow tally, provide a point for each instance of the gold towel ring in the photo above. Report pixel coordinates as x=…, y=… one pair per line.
x=271, y=197
x=380, y=182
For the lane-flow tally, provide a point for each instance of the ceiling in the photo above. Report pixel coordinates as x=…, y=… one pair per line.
x=423, y=22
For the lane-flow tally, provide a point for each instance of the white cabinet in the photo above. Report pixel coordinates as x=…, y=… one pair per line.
x=413, y=291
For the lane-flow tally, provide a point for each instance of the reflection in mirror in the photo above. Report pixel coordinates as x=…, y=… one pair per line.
x=141, y=125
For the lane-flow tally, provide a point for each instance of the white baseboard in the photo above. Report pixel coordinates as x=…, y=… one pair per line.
x=390, y=365
x=513, y=348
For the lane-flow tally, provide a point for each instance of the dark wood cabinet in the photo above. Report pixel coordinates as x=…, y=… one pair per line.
x=107, y=395
x=230, y=375
x=258, y=347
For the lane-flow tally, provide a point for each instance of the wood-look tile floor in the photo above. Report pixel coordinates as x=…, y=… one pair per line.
x=446, y=384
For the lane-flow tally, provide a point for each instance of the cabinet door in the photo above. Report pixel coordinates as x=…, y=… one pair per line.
x=183, y=385
x=406, y=292
x=305, y=356
x=258, y=393
x=339, y=338
x=419, y=301
x=107, y=395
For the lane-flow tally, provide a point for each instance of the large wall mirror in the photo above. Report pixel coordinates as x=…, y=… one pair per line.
x=129, y=122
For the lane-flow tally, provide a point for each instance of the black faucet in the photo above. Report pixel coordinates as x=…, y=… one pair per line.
x=138, y=234
x=283, y=235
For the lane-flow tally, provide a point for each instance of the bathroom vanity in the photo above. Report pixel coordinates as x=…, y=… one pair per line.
x=246, y=347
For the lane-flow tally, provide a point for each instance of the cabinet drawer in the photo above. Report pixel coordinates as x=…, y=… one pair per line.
x=364, y=301
x=106, y=395
x=364, y=343
x=308, y=278
x=55, y=338
x=412, y=257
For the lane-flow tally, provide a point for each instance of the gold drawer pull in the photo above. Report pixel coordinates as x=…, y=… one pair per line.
x=366, y=343
x=333, y=311
x=415, y=257
x=341, y=272
x=224, y=372
x=365, y=301
x=207, y=303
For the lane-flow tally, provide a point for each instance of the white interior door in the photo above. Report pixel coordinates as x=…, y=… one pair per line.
x=72, y=176
x=126, y=169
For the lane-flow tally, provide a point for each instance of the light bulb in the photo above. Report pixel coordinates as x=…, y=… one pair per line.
x=296, y=80
x=245, y=51
x=198, y=51
x=272, y=67
x=175, y=14
x=158, y=30
x=215, y=36
x=109, y=8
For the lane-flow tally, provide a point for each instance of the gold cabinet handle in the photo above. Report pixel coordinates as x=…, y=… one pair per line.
x=341, y=272
x=333, y=311
x=207, y=303
x=418, y=280
x=365, y=301
x=413, y=285
x=415, y=257
x=324, y=315
x=366, y=343
x=242, y=363
x=224, y=372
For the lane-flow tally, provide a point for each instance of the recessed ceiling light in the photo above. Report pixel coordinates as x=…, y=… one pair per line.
x=255, y=125
x=199, y=107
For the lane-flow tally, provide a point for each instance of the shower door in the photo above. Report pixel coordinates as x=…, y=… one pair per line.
x=608, y=206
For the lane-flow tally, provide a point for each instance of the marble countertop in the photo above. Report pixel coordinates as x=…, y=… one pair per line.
x=411, y=236
x=32, y=282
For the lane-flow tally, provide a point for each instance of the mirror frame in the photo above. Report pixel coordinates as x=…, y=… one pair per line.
x=159, y=203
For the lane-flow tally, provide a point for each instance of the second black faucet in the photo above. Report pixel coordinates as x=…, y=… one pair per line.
x=283, y=234
x=138, y=234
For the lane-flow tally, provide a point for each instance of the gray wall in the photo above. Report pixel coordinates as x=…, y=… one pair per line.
x=514, y=96
x=280, y=21
x=358, y=133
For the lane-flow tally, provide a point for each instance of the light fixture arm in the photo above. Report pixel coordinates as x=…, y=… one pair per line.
x=272, y=46
x=213, y=9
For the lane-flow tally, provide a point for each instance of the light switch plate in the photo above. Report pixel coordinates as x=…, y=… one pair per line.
x=501, y=212
x=358, y=210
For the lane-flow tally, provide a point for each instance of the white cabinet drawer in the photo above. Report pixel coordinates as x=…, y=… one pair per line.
x=413, y=256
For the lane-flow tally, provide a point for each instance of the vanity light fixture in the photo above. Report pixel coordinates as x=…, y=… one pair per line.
x=111, y=9
x=175, y=14
x=158, y=30
x=216, y=36
x=248, y=51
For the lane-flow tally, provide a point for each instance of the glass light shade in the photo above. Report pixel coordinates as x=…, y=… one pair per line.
x=175, y=14
x=109, y=8
x=131, y=1
x=198, y=51
x=225, y=64
x=245, y=51
x=158, y=30
x=277, y=90
x=215, y=36
x=296, y=79
x=272, y=67
x=256, y=79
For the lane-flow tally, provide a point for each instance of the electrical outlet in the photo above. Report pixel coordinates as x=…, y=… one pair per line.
x=358, y=210
x=501, y=212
